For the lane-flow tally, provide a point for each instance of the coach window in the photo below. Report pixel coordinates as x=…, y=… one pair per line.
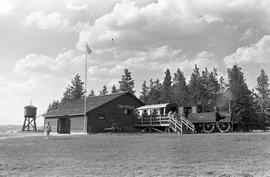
x=101, y=117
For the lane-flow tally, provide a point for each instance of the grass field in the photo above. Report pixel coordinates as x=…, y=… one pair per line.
x=223, y=155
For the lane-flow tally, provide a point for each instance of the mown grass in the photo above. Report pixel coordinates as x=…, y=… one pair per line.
x=223, y=155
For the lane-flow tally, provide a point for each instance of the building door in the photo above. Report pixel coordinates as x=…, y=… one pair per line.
x=63, y=126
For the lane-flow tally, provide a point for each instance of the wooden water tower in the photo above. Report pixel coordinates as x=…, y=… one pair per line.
x=29, y=123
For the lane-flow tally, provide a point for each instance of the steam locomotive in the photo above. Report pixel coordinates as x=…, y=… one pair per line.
x=205, y=120
x=208, y=121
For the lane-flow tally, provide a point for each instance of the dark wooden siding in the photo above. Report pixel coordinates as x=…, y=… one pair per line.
x=113, y=113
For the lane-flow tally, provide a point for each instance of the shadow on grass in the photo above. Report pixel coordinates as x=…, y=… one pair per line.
x=62, y=138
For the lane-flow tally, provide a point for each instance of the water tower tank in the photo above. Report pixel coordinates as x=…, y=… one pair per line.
x=30, y=111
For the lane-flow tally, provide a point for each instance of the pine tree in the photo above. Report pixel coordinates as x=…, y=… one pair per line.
x=53, y=105
x=74, y=91
x=127, y=83
x=92, y=93
x=214, y=87
x=114, y=90
x=263, y=90
x=67, y=96
x=155, y=92
x=241, y=95
x=205, y=87
x=77, y=87
x=167, y=88
x=195, y=87
x=144, y=93
x=104, y=91
x=257, y=101
x=180, y=88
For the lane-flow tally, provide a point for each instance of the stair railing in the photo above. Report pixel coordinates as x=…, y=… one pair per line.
x=176, y=125
x=187, y=123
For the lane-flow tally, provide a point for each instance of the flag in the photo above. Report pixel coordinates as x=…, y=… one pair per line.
x=88, y=49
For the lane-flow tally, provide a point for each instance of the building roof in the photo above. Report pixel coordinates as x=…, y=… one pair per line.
x=77, y=107
x=30, y=106
x=153, y=106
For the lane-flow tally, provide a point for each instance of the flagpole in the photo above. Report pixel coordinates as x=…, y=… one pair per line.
x=85, y=77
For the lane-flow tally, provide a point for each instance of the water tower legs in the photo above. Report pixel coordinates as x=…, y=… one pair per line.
x=29, y=124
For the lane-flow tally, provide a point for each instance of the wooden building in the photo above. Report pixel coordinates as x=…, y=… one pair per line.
x=102, y=112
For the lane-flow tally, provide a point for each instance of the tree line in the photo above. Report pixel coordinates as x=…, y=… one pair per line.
x=203, y=88
x=206, y=88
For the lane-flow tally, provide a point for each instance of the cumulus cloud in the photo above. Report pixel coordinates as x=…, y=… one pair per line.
x=258, y=53
x=151, y=59
x=203, y=59
x=53, y=20
x=170, y=21
x=248, y=33
x=10, y=87
x=66, y=63
x=152, y=63
x=75, y=6
x=14, y=95
x=5, y=7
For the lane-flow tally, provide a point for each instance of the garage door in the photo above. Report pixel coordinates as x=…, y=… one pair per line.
x=77, y=124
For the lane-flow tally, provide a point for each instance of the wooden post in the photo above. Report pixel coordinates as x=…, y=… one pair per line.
x=28, y=126
x=28, y=122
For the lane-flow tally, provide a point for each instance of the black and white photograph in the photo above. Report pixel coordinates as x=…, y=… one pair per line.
x=134, y=88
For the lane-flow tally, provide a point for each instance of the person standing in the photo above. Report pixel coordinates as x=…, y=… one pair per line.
x=47, y=130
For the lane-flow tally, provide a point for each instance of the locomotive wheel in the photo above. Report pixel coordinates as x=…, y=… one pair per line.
x=208, y=127
x=224, y=126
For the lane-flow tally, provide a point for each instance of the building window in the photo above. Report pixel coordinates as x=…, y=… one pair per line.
x=100, y=116
x=126, y=111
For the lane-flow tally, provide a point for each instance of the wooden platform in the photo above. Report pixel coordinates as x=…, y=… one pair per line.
x=160, y=121
x=176, y=124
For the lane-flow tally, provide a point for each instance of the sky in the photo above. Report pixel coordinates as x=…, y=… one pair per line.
x=42, y=44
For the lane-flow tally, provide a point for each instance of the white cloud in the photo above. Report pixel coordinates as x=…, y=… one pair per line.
x=151, y=63
x=75, y=6
x=44, y=21
x=64, y=64
x=152, y=59
x=170, y=21
x=9, y=87
x=14, y=95
x=5, y=7
x=257, y=53
x=249, y=32
x=212, y=18
x=202, y=60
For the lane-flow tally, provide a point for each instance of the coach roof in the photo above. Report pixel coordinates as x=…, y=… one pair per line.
x=76, y=108
x=153, y=106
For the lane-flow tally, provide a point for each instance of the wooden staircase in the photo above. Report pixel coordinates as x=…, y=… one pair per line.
x=180, y=125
